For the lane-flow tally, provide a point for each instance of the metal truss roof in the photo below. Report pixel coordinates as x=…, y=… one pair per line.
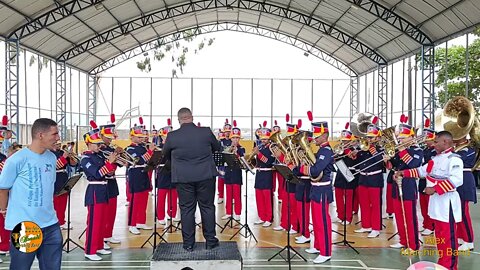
x=353, y=35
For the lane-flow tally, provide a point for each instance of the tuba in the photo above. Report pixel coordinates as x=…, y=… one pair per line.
x=303, y=151
x=457, y=117
x=358, y=127
x=389, y=141
x=278, y=145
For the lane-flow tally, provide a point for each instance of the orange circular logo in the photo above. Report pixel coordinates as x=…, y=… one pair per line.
x=27, y=236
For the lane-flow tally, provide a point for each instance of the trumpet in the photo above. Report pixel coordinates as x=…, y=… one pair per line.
x=122, y=159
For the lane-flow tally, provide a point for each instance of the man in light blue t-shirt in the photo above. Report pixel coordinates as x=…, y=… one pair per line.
x=27, y=186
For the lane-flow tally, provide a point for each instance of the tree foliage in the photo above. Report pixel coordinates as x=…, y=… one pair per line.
x=453, y=73
x=177, y=51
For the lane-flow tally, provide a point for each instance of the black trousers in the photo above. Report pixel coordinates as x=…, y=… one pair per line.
x=189, y=194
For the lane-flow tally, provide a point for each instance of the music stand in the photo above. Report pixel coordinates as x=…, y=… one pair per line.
x=290, y=177
x=67, y=187
x=233, y=163
x=248, y=231
x=153, y=163
x=349, y=178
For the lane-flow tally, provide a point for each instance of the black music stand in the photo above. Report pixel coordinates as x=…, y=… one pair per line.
x=290, y=177
x=152, y=164
x=67, y=187
x=345, y=242
x=248, y=232
x=234, y=163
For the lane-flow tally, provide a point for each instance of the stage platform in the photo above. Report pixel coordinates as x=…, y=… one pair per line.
x=172, y=256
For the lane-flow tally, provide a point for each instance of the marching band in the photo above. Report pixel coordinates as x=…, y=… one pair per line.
x=421, y=169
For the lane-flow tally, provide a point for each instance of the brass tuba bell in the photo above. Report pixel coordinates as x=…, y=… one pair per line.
x=304, y=152
x=457, y=117
x=359, y=124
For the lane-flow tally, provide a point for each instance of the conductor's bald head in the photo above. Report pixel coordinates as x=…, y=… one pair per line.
x=185, y=116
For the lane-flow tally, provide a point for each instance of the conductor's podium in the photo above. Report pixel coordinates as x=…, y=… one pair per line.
x=172, y=256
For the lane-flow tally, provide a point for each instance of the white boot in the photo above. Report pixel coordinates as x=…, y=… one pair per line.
x=373, y=234
x=321, y=259
x=93, y=257
x=133, y=229
x=362, y=230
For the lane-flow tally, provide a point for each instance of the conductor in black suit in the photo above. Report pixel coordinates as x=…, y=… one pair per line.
x=190, y=150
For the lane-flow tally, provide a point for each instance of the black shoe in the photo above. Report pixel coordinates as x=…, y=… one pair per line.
x=188, y=248
x=212, y=246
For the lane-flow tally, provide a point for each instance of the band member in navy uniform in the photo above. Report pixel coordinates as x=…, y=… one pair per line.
x=444, y=174
x=60, y=202
x=467, y=192
x=321, y=193
x=409, y=156
x=156, y=139
x=224, y=142
x=107, y=133
x=428, y=153
x=233, y=177
x=138, y=180
x=278, y=180
x=371, y=183
x=96, y=168
x=344, y=190
x=166, y=189
x=264, y=178
x=288, y=195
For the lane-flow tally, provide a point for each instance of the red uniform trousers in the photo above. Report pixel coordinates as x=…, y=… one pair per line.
x=137, y=209
x=344, y=198
x=371, y=207
x=303, y=215
x=127, y=191
x=465, y=228
x=446, y=232
x=110, y=217
x=234, y=197
x=171, y=196
x=4, y=235
x=322, y=228
x=277, y=177
x=356, y=201
x=289, y=198
x=95, y=227
x=221, y=187
x=412, y=223
x=264, y=204
x=389, y=202
x=60, y=205
x=427, y=221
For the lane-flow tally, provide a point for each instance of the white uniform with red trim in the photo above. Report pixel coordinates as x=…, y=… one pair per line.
x=445, y=177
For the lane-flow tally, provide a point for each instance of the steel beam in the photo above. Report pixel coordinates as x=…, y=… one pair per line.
x=193, y=7
x=12, y=72
x=243, y=28
x=92, y=97
x=428, y=83
x=61, y=98
x=389, y=16
x=382, y=80
x=354, y=101
x=52, y=16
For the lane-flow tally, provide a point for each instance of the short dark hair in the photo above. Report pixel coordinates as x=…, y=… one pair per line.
x=445, y=134
x=42, y=125
x=184, y=111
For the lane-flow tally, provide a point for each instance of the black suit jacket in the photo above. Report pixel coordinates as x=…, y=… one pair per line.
x=190, y=150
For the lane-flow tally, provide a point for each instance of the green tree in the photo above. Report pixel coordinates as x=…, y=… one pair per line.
x=178, y=51
x=454, y=72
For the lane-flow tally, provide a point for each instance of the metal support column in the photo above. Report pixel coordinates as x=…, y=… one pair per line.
x=61, y=98
x=428, y=83
x=12, y=72
x=92, y=98
x=382, y=81
x=354, y=101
